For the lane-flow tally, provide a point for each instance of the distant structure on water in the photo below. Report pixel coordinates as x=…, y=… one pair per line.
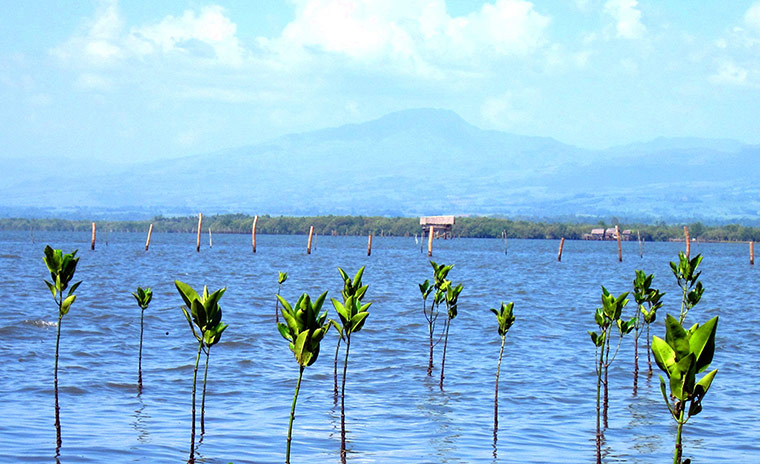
x=608, y=234
x=441, y=225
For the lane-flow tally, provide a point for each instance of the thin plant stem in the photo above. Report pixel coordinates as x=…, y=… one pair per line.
x=636, y=362
x=343, y=403
x=606, y=372
x=292, y=416
x=139, y=356
x=195, y=376
x=55, y=379
x=679, y=448
x=649, y=353
x=277, y=306
x=203, y=396
x=496, y=390
x=598, y=406
x=335, y=372
x=684, y=309
x=445, y=343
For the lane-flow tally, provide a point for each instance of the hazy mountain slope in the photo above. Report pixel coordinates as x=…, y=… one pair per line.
x=422, y=161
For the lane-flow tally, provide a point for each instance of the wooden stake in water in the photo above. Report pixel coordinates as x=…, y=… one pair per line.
x=369, y=245
x=430, y=242
x=92, y=243
x=688, y=241
x=253, y=233
x=504, y=236
x=210, y=240
x=308, y=245
x=752, y=253
x=641, y=246
x=561, y=245
x=620, y=247
x=150, y=232
x=198, y=240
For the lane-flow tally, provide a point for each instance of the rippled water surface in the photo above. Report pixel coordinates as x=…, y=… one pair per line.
x=395, y=412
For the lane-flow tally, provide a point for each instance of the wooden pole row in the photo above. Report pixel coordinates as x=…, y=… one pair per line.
x=561, y=245
x=311, y=234
x=198, y=240
x=92, y=243
x=752, y=253
x=620, y=247
x=688, y=242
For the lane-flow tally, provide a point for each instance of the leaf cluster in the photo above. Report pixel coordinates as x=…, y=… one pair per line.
x=609, y=314
x=505, y=317
x=352, y=312
x=685, y=272
x=682, y=355
x=445, y=291
x=143, y=297
x=62, y=268
x=647, y=298
x=305, y=327
x=204, y=313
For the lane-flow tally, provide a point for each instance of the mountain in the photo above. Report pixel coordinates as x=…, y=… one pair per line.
x=422, y=161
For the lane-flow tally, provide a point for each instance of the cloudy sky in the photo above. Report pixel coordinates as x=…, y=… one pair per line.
x=139, y=80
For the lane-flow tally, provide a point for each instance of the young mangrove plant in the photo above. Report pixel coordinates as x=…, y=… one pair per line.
x=451, y=296
x=351, y=287
x=61, y=267
x=648, y=300
x=687, y=276
x=352, y=313
x=281, y=278
x=204, y=313
x=431, y=313
x=607, y=317
x=505, y=318
x=304, y=329
x=682, y=355
x=143, y=297
x=211, y=337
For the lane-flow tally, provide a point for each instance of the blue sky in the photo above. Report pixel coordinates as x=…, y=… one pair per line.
x=141, y=80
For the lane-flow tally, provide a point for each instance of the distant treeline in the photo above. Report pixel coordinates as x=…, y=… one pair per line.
x=480, y=227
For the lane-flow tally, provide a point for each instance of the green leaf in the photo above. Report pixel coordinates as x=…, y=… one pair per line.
x=187, y=293
x=357, y=321
x=664, y=355
x=67, y=304
x=286, y=306
x=665, y=397
x=52, y=289
x=704, y=384
x=676, y=336
x=301, y=351
x=284, y=331
x=702, y=343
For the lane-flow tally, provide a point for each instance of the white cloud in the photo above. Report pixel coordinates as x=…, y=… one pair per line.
x=207, y=36
x=752, y=16
x=729, y=73
x=92, y=81
x=416, y=34
x=627, y=17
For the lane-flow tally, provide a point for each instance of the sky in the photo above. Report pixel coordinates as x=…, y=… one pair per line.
x=141, y=80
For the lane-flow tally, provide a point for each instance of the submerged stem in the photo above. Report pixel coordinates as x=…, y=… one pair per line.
x=55, y=380
x=343, y=403
x=292, y=416
x=203, y=396
x=679, y=449
x=139, y=356
x=195, y=376
x=445, y=343
x=335, y=372
x=496, y=390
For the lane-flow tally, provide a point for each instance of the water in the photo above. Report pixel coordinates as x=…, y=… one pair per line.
x=395, y=413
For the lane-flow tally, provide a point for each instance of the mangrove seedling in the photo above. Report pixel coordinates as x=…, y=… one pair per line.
x=431, y=314
x=281, y=278
x=351, y=287
x=352, y=314
x=204, y=313
x=143, y=297
x=451, y=296
x=505, y=318
x=682, y=355
x=304, y=329
x=61, y=267
x=211, y=337
x=649, y=300
x=607, y=317
x=685, y=272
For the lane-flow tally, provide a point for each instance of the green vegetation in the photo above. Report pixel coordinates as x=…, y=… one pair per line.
x=201, y=311
x=352, y=313
x=304, y=329
x=450, y=296
x=687, y=276
x=682, y=355
x=143, y=297
x=505, y=318
x=281, y=278
x=471, y=226
x=606, y=317
x=648, y=300
x=61, y=268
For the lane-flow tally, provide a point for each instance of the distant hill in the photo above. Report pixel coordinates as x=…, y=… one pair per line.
x=423, y=161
